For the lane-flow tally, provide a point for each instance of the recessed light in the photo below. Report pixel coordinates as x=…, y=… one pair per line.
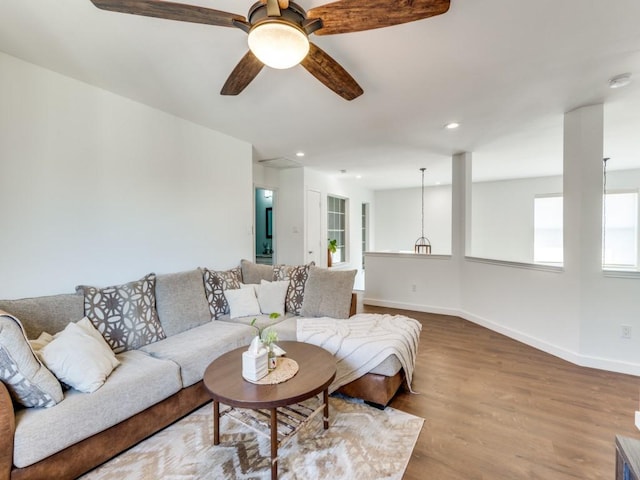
x=358, y=177
x=452, y=125
x=620, y=81
x=299, y=154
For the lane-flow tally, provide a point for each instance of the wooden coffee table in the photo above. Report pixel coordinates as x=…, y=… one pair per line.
x=223, y=380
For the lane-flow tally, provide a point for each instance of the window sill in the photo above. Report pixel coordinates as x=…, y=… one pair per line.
x=621, y=273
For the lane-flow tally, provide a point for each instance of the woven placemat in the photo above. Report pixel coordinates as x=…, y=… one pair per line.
x=285, y=369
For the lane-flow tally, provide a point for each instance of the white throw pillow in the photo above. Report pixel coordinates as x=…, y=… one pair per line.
x=88, y=326
x=40, y=342
x=79, y=357
x=271, y=296
x=242, y=302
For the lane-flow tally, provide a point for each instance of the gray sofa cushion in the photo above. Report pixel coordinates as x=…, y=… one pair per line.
x=45, y=314
x=181, y=301
x=388, y=367
x=254, y=272
x=328, y=293
x=139, y=382
x=287, y=329
x=262, y=321
x=195, y=349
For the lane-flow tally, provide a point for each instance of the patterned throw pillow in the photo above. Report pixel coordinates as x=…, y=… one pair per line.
x=126, y=314
x=29, y=382
x=215, y=283
x=297, y=276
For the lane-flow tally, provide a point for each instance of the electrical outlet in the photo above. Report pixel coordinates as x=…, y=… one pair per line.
x=413, y=287
x=625, y=331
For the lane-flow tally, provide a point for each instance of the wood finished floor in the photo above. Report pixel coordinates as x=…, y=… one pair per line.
x=497, y=409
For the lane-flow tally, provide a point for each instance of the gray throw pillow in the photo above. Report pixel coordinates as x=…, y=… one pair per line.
x=328, y=293
x=255, y=273
x=49, y=314
x=215, y=283
x=181, y=301
x=125, y=314
x=29, y=382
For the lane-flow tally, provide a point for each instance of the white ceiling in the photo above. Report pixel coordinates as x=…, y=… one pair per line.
x=507, y=70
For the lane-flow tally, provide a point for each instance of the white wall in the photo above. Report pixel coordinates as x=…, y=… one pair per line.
x=95, y=188
x=501, y=220
x=502, y=213
x=398, y=217
x=429, y=283
x=291, y=185
x=332, y=185
x=574, y=312
x=502, y=217
x=288, y=210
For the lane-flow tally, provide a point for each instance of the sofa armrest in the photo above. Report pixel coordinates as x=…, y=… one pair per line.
x=7, y=431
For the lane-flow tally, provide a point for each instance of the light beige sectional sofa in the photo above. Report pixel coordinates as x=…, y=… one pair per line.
x=183, y=323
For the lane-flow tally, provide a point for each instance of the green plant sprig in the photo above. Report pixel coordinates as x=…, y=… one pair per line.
x=268, y=336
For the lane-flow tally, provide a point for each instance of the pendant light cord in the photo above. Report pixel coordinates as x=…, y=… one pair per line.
x=422, y=170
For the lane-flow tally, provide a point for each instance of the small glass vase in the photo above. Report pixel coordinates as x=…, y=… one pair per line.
x=272, y=360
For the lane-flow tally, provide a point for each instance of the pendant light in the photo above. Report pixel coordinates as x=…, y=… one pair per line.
x=423, y=245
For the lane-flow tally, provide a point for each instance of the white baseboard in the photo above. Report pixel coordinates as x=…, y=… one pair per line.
x=560, y=352
x=411, y=306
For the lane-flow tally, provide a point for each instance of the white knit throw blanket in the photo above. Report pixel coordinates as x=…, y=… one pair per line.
x=362, y=342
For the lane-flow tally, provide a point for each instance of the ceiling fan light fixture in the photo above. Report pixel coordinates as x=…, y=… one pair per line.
x=278, y=44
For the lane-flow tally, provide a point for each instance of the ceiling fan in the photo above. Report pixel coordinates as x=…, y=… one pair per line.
x=279, y=29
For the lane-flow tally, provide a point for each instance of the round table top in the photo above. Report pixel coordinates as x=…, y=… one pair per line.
x=224, y=382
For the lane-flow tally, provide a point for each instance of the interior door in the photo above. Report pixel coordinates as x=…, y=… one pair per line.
x=314, y=228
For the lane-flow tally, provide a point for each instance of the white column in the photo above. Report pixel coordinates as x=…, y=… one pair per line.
x=582, y=184
x=461, y=205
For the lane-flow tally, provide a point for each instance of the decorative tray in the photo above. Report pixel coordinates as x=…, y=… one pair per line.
x=285, y=369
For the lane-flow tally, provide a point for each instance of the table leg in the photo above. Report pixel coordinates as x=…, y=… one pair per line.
x=274, y=444
x=325, y=398
x=216, y=422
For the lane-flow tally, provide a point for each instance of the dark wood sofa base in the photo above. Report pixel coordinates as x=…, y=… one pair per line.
x=92, y=452
x=373, y=388
x=88, y=454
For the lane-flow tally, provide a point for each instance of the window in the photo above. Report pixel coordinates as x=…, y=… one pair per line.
x=547, y=227
x=619, y=227
x=620, y=230
x=336, y=225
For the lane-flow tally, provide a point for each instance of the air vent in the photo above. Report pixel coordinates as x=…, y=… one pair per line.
x=280, y=162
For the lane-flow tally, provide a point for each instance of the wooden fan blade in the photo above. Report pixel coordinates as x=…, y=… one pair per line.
x=170, y=11
x=330, y=73
x=347, y=16
x=242, y=75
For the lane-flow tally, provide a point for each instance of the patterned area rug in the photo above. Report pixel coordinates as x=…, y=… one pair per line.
x=361, y=443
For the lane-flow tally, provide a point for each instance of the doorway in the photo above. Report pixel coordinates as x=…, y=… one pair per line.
x=264, y=230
